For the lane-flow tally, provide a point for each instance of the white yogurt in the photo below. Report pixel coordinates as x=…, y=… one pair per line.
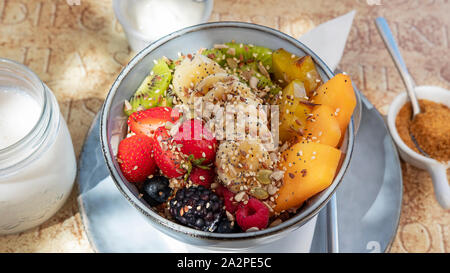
x=37, y=159
x=156, y=18
x=19, y=112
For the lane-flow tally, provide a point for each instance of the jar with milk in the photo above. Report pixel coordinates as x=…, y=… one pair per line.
x=37, y=160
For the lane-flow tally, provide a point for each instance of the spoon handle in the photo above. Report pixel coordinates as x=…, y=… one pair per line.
x=332, y=226
x=392, y=47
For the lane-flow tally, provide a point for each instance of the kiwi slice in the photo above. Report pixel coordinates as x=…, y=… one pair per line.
x=153, y=90
x=216, y=55
x=251, y=53
x=264, y=82
x=254, y=59
x=242, y=52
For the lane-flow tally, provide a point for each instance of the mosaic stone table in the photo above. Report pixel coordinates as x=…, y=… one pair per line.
x=78, y=50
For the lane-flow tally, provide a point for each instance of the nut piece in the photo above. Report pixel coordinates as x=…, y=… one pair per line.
x=232, y=63
x=252, y=229
x=277, y=175
x=253, y=82
x=259, y=193
x=220, y=46
x=271, y=189
x=128, y=106
x=240, y=196
x=263, y=70
x=263, y=176
x=231, y=51
x=276, y=222
x=230, y=216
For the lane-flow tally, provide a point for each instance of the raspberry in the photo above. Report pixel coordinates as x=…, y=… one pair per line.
x=254, y=214
x=202, y=177
x=228, y=197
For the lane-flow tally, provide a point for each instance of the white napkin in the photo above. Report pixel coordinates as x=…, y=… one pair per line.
x=328, y=41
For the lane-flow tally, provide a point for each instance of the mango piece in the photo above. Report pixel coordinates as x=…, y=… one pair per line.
x=288, y=67
x=338, y=93
x=309, y=169
x=323, y=126
x=294, y=110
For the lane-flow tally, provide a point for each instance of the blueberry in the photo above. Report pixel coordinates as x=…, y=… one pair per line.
x=156, y=190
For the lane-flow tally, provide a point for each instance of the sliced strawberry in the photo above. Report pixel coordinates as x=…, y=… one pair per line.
x=198, y=141
x=202, y=177
x=146, y=122
x=135, y=157
x=167, y=156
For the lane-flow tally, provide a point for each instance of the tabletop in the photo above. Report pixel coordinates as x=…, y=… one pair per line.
x=78, y=48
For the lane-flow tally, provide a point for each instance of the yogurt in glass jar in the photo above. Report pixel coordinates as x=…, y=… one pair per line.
x=145, y=21
x=37, y=160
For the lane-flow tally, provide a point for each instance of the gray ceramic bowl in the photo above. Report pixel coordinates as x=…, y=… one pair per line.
x=113, y=125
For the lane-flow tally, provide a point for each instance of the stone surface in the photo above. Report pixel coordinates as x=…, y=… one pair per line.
x=78, y=50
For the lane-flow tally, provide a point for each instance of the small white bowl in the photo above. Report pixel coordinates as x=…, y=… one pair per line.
x=437, y=170
x=138, y=40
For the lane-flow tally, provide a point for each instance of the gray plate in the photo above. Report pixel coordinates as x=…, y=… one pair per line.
x=368, y=201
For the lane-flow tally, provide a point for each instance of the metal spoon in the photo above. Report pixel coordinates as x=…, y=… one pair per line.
x=389, y=41
x=332, y=226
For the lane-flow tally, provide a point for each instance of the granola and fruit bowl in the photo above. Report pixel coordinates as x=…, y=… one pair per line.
x=228, y=134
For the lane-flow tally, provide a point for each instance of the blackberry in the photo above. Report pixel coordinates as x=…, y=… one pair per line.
x=225, y=226
x=197, y=207
x=156, y=190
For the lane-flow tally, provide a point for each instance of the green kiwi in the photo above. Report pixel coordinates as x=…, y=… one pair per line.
x=251, y=52
x=153, y=90
x=250, y=59
x=216, y=55
x=243, y=52
x=263, y=81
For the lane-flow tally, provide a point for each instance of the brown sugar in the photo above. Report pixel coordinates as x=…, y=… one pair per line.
x=431, y=128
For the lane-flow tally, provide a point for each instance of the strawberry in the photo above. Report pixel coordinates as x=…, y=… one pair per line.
x=135, y=157
x=197, y=141
x=147, y=121
x=253, y=214
x=167, y=156
x=228, y=198
x=202, y=177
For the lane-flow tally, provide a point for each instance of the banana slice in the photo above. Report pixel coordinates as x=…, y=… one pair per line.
x=238, y=163
x=209, y=82
x=192, y=71
x=229, y=90
x=241, y=109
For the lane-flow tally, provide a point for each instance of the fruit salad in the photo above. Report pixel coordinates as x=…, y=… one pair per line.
x=234, y=138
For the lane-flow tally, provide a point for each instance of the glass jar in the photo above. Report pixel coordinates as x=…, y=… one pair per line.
x=37, y=171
